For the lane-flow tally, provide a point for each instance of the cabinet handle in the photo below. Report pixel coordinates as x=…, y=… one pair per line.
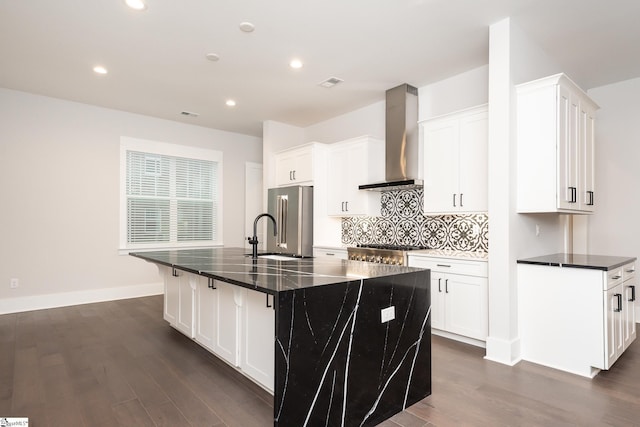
x=633, y=293
x=341, y=206
x=461, y=205
x=294, y=175
x=268, y=305
x=446, y=286
x=174, y=273
x=439, y=288
x=454, y=200
x=590, y=193
x=619, y=297
x=346, y=206
x=616, y=277
x=212, y=284
x=443, y=265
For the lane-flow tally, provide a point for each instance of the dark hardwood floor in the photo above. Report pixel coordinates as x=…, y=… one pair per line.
x=118, y=363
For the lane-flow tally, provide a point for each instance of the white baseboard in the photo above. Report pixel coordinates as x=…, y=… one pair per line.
x=39, y=302
x=503, y=351
x=460, y=338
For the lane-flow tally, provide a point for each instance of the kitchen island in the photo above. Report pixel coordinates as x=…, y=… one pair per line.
x=348, y=342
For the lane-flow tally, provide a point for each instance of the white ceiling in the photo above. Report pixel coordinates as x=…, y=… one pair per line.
x=157, y=66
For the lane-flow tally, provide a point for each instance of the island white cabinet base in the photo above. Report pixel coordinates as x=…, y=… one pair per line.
x=578, y=319
x=232, y=322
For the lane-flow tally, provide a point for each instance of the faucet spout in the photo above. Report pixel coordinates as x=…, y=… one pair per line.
x=253, y=241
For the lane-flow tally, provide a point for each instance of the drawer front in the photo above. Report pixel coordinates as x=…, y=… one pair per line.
x=450, y=265
x=628, y=271
x=614, y=277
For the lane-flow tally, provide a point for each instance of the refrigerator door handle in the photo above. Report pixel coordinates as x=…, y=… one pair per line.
x=281, y=215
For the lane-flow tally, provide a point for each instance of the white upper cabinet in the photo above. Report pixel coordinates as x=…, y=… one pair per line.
x=455, y=162
x=555, y=147
x=298, y=165
x=352, y=163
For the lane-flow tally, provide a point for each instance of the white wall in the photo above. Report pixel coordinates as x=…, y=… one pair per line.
x=59, y=174
x=458, y=92
x=513, y=59
x=368, y=120
x=612, y=228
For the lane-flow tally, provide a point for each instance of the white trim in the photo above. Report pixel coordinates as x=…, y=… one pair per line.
x=460, y=338
x=502, y=351
x=40, y=302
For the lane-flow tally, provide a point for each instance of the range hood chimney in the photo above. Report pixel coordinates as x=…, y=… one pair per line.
x=401, y=141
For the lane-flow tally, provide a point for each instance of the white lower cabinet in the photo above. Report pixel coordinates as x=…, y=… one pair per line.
x=179, y=298
x=232, y=322
x=579, y=320
x=330, y=252
x=458, y=296
x=620, y=313
x=218, y=318
x=258, y=337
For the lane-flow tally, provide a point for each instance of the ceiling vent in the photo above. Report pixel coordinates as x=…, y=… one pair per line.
x=330, y=82
x=189, y=113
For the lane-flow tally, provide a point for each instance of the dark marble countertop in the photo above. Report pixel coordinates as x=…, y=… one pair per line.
x=232, y=265
x=594, y=262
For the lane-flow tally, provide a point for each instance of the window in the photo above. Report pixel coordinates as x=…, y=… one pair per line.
x=170, y=195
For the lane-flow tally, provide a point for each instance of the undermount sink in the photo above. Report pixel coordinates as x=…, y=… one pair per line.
x=276, y=257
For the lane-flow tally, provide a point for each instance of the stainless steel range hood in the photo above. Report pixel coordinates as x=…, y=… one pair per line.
x=401, y=141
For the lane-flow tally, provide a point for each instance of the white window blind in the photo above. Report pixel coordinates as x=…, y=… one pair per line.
x=170, y=200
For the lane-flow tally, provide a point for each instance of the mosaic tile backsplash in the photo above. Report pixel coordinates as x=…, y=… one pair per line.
x=403, y=223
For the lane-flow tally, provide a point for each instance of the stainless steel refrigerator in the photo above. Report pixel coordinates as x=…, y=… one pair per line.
x=292, y=207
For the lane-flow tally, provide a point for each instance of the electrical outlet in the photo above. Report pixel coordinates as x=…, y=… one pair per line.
x=387, y=314
x=14, y=283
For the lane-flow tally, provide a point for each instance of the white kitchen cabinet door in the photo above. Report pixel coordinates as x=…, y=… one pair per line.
x=614, y=325
x=474, y=160
x=629, y=313
x=217, y=318
x=437, y=301
x=258, y=338
x=441, y=153
x=171, y=298
x=466, y=306
x=455, y=150
x=205, y=313
x=186, y=284
x=352, y=163
x=587, y=201
x=227, y=302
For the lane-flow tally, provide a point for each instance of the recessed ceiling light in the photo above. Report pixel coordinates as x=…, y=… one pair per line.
x=230, y=103
x=212, y=57
x=99, y=69
x=295, y=63
x=247, y=27
x=136, y=4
